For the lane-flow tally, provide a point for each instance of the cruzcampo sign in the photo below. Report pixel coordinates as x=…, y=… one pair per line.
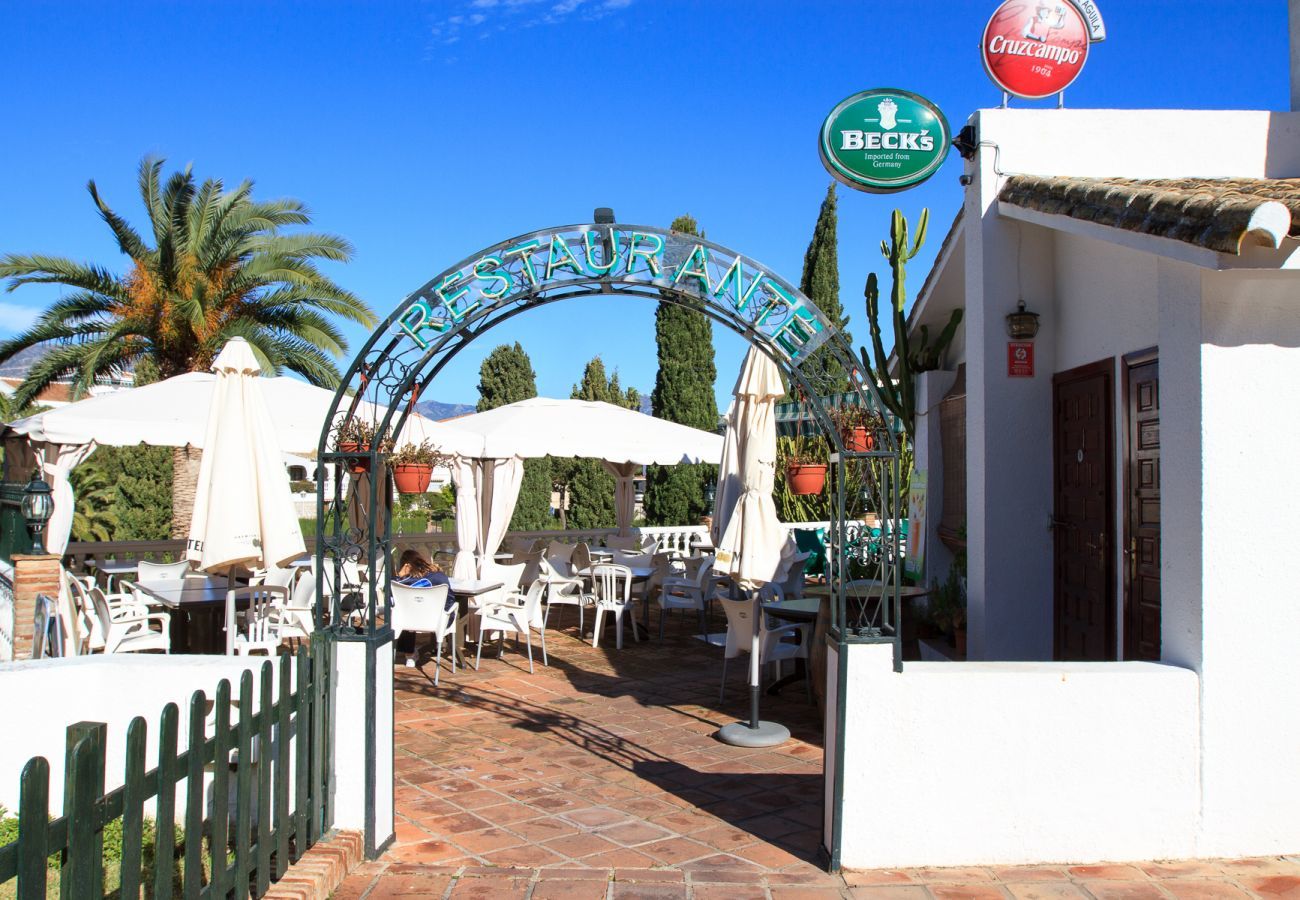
x=884, y=140
x=1038, y=48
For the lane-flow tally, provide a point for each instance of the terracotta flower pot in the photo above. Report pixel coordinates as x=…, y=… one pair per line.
x=859, y=440
x=412, y=478
x=355, y=466
x=806, y=478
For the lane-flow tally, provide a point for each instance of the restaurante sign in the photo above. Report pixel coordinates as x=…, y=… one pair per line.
x=884, y=140
x=612, y=259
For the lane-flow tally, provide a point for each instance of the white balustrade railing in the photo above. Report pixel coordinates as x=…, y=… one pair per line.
x=7, y=624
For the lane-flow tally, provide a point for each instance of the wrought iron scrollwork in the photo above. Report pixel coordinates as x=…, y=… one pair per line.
x=431, y=326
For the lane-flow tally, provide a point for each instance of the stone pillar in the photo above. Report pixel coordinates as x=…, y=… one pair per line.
x=33, y=575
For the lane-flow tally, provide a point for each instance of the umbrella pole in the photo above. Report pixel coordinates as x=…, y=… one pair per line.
x=755, y=732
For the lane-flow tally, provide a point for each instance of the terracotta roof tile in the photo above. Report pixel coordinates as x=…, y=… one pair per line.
x=1217, y=213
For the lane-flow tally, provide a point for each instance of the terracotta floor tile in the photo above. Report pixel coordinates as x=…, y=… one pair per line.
x=1030, y=873
x=1108, y=873
x=803, y=892
x=409, y=886
x=855, y=877
x=489, y=887
x=1124, y=890
x=725, y=875
x=1044, y=890
x=623, y=858
x=1189, y=868
x=728, y=892
x=430, y=851
x=1287, y=886
x=646, y=875
x=480, y=842
x=577, y=846
x=1202, y=889
x=957, y=875
x=632, y=833
x=531, y=855
x=1263, y=865
x=596, y=816
x=967, y=891
x=570, y=890
x=675, y=850
x=890, y=892
x=642, y=891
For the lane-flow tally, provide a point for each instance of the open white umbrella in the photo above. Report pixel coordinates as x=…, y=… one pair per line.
x=244, y=516
x=174, y=413
x=752, y=541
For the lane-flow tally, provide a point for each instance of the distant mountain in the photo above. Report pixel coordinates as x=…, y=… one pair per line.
x=436, y=409
x=645, y=405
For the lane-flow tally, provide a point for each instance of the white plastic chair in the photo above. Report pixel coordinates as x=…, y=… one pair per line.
x=612, y=588
x=127, y=630
x=563, y=588
x=792, y=587
x=509, y=617
x=260, y=627
x=680, y=592
x=772, y=643
x=425, y=610
x=152, y=571
x=299, y=613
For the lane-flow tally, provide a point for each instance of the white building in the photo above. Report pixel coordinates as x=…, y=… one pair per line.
x=1130, y=508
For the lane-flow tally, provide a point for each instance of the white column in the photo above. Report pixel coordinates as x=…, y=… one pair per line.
x=362, y=775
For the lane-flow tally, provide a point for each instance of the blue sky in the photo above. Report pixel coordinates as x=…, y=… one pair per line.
x=425, y=131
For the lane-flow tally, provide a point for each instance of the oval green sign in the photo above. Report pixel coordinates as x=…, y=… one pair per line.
x=884, y=140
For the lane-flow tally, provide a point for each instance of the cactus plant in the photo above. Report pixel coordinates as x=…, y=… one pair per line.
x=899, y=395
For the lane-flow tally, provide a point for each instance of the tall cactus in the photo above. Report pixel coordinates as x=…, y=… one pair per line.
x=899, y=396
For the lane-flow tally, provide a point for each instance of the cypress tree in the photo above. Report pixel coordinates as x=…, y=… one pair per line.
x=507, y=376
x=591, y=488
x=820, y=282
x=683, y=393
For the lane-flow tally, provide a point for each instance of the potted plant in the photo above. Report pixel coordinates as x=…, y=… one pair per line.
x=805, y=467
x=855, y=425
x=413, y=466
x=355, y=436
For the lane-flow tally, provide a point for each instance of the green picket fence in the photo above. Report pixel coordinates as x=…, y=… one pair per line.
x=277, y=760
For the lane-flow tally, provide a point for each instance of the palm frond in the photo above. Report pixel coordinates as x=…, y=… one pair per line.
x=37, y=268
x=128, y=239
x=304, y=246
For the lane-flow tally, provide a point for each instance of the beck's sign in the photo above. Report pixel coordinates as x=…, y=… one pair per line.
x=884, y=140
x=1036, y=48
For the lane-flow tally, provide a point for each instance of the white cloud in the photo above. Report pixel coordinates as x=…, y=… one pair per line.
x=517, y=14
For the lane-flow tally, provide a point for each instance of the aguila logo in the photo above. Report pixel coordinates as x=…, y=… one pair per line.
x=1035, y=48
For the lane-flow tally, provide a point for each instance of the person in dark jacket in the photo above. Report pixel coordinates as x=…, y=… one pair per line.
x=413, y=570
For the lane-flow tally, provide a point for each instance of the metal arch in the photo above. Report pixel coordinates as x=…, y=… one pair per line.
x=393, y=368
x=395, y=376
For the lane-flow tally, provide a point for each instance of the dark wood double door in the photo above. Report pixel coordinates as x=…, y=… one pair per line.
x=1083, y=517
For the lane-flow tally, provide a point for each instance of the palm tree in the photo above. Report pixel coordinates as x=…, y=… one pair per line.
x=215, y=265
x=94, y=519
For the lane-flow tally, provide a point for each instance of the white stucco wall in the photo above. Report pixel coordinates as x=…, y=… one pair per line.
x=41, y=698
x=927, y=451
x=1004, y=763
x=1250, y=666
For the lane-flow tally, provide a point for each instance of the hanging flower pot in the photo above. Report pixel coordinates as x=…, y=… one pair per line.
x=355, y=466
x=859, y=440
x=412, y=478
x=806, y=478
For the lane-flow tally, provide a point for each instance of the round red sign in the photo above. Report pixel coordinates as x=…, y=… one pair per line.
x=1035, y=48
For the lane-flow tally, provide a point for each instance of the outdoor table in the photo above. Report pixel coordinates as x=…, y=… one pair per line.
x=464, y=589
x=111, y=568
x=198, y=610
x=804, y=609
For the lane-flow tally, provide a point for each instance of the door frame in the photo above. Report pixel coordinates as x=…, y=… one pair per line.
x=1131, y=361
x=1106, y=369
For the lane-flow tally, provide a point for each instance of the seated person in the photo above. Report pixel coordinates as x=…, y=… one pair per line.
x=413, y=570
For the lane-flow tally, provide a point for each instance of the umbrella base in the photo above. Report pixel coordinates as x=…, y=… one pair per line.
x=741, y=734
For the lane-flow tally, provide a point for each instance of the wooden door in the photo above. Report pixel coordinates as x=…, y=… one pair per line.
x=1084, y=449
x=1142, y=513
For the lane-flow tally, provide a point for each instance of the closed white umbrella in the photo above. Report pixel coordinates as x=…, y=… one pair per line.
x=244, y=516
x=753, y=540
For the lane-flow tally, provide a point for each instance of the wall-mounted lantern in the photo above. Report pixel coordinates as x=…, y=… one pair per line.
x=1022, y=325
x=37, y=507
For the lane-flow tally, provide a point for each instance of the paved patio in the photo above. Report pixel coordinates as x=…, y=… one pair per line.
x=599, y=777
